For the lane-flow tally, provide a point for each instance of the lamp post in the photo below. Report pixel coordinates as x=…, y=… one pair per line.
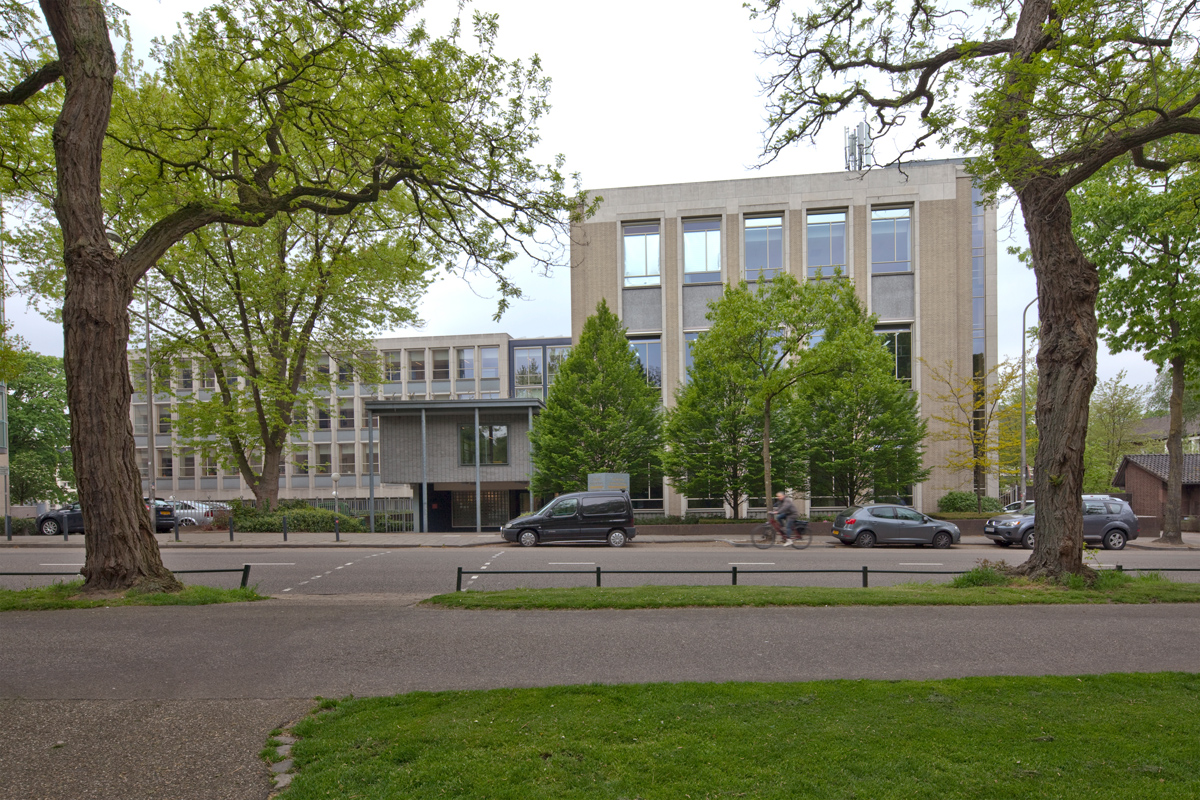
x=335, y=477
x=1031, y=302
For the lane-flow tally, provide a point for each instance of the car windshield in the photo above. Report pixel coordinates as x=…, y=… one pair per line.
x=541, y=512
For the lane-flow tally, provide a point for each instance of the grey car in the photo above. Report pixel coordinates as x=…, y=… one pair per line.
x=885, y=523
x=1107, y=521
x=56, y=520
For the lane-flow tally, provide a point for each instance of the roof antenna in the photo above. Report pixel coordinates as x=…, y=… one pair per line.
x=860, y=149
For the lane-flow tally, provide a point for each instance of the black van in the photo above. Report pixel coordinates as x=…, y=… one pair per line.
x=576, y=517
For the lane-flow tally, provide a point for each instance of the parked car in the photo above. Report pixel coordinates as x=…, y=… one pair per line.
x=887, y=523
x=1106, y=520
x=54, y=521
x=576, y=517
x=164, y=514
x=1012, y=508
x=194, y=512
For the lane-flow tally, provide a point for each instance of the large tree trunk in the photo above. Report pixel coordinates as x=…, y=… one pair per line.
x=1172, y=529
x=1067, y=287
x=121, y=549
x=266, y=485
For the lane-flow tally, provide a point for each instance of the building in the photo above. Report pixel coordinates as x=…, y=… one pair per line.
x=918, y=243
x=1145, y=478
x=421, y=372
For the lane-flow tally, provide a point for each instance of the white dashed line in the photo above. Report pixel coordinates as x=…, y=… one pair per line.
x=272, y=563
x=317, y=577
x=571, y=563
x=751, y=563
x=919, y=564
x=60, y=565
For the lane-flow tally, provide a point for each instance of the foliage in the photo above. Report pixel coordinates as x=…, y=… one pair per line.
x=22, y=526
x=67, y=595
x=300, y=519
x=859, y=427
x=959, y=501
x=1008, y=418
x=39, y=430
x=602, y=413
x=1116, y=410
x=984, y=573
x=1158, y=398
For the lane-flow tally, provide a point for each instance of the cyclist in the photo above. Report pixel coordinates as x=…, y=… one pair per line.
x=786, y=513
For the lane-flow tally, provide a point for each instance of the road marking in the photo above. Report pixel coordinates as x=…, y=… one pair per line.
x=60, y=565
x=919, y=564
x=288, y=589
x=315, y=577
x=751, y=563
x=571, y=563
x=272, y=563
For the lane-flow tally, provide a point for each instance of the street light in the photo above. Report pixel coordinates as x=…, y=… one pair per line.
x=335, y=477
x=1031, y=302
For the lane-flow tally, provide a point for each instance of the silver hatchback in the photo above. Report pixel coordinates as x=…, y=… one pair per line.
x=884, y=523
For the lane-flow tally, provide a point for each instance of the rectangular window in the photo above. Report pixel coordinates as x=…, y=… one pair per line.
x=209, y=468
x=494, y=512
x=689, y=341
x=323, y=365
x=346, y=465
x=891, y=245
x=646, y=488
x=300, y=417
x=363, y=418
x=300, y=463
x=393, y=366
x=649, y=353
x=209, y=382
x=493, y=445
x=324, y=459
x=370, y=459
x=701, y=250
x=641, y=254
x=898, y=341
x=489, y=395
x=416, y=365
x=764, y=247
x=441, y=364
x=554, y=358
x=465, y=396
x=185, y=375
x=143, y=464
x=164, y=418
x=282, y=467
x=489, y=362
x=187, y=466
x=527, y=371
x=141, y=423
x=345, y=371
x=466, y=364
x=324, y=422
x=165, y=464
x=346, y=418
x=826, y=244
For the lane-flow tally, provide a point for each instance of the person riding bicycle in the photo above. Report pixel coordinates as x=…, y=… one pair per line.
x=786, y=513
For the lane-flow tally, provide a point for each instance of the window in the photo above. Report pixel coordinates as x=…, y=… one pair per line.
x=641, y=254
x=141, y=423
x=493, y=513
x=209, y=381
x=346, y=465
x=143, y=464
x=165, y=464
x=689, y=341
x=363, y=418
x=441, y=364
x=370, y=459
x=300, y=463
x=649, y=353
x=323, y=365
x=489, y=362
x=346, y=418
x=164, y=418
x=324, y=459
x=209, y=468
x=466, y=363
x=489, y=395
x=898, y=341
x=282, y=467
x=187, y=466
x=565, y=508
x=646, y=487
x=527, y=371
x=324, y=422
x=493, y=445
x=185, y=375
x=764, y=247
x=701, y=250
x=554, y=358
x=465, y=396
x=890, y=240
x=300, y=417
x=345, y=370
x=416, y=365
x=393, y=367
x=826, y=244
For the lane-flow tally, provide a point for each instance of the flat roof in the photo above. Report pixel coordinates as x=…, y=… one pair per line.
x=403, y=407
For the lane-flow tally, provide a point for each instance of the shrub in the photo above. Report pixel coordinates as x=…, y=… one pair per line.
x=22, y=526
x=985, y=573
x=967, y=501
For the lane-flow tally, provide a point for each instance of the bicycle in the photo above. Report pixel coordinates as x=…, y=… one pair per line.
x=766, y=534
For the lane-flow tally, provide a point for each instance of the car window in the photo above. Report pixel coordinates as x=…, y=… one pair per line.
x=910, y=515
x=596, y=506
x=1113, y=508
x=565, y=508
x=1091, y=508
x=883, y=512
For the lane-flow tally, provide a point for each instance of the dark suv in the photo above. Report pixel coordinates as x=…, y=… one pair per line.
x=1106, y=520
x=576, y=517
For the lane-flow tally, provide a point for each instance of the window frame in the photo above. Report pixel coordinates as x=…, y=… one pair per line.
x=489, y=454
x=703, y=225
x=830, y=270
x=641, y=230
x=885, y=214
x=748, y=225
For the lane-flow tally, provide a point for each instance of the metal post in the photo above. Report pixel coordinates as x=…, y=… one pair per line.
x=597, y=577
x=337, y=534
x=285, y=527
x=530, y=432
x=1031, y=302
x=370, y=472
x=65, y=532
x=458, y=583
x=231, y=524
x=478, y=495
x=734, y=577
x=424, y=479
x=245, y=575
x=177, y=527
x=1120, y=568
x=864, y=576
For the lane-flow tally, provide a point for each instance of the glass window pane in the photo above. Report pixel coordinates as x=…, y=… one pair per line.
x=489, y=358
x=883, y=241
x=527, y=366
x=695, y=257
x=818, y=246
x=837, y=244
x=441, y=364
x=902, y=240
x=466, y=363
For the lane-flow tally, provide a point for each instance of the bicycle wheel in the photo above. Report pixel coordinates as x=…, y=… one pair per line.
x=763, y=535
x=803, y=537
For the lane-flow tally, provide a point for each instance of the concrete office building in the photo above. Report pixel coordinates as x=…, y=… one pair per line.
x=419, y=370
x=918, y=243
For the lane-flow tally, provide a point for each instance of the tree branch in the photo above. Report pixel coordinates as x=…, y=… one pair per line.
x=32, y=85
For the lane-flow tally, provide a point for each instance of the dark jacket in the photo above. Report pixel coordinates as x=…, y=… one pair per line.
x=785, y=509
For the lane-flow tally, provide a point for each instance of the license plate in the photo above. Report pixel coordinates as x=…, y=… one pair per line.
x=988, y=529
x=835, y=531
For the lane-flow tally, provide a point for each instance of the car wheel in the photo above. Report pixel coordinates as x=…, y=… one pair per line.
x=865, y=539
x=1002, y=543
x=1028, y=538
x=528, y=539
x=50, y=527
x=1114, y=540
x=942, y=540
x=187, y=521
x=616, y=538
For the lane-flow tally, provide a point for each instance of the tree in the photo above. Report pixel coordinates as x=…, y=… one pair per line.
x=712, y=435
x=602, y=414
x=39, y=430
x=860, y=426
x=1043, y=95
x=1144, y=236
x=261, y=109
x=970, y=416
x=1116, y=410
x=1008, y=417
x=1158, y=399
x=773, y=337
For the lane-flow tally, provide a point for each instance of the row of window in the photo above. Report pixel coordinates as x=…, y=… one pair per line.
x=762, y=237
x=351, y=459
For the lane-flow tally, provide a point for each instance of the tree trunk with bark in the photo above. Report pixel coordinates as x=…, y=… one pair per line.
x=121, y=551
x=266, y=485
x=1067, y=288
x=1172, y=529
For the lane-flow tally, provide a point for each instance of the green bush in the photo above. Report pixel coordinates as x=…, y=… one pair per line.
x=967, y=501
x=985, y=573
x=22, y=526
x=301, y=518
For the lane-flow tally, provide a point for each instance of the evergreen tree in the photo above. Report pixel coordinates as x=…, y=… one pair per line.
x=602, y=414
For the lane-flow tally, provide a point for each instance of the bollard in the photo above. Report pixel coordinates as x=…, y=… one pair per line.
x=231, y=526
x=597, y=577
x=734, y=577
x=245, y=575
x=1120, y=568
x=64, y=529
x=864, y=577
x=458, y=584
x=337, y=534
x=285, y=527
x=177, y=529
x=8, y=527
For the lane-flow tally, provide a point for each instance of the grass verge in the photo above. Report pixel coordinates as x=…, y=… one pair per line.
x=1112, y=736
x=66, y=595
x=982, y=586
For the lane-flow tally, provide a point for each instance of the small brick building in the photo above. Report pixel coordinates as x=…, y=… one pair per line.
x=1145, y=478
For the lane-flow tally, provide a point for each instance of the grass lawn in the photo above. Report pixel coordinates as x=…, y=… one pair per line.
x=1115, y=736
x=982, y=586
x=66, y=595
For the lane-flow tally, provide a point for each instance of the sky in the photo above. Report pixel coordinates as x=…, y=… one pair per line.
x=643, y=93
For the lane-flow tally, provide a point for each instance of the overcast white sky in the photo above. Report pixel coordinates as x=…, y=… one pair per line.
x=643, y=93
